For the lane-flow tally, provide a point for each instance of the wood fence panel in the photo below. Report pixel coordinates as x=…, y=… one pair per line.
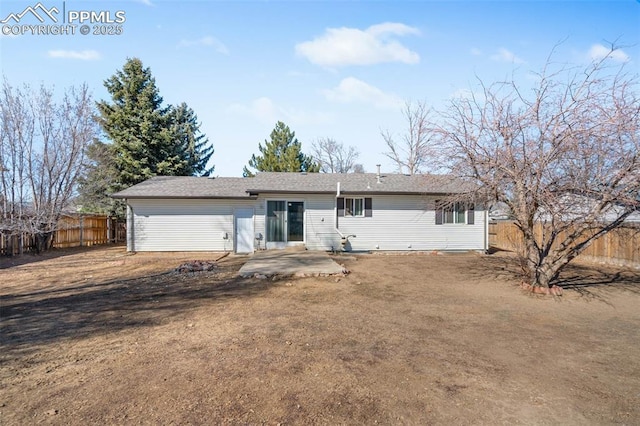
x=73, y=231
x=620, y=246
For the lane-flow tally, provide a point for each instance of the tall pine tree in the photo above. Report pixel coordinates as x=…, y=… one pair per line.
x=195, y=147
x=283, y=153
x=139, y=127
x=148, y=139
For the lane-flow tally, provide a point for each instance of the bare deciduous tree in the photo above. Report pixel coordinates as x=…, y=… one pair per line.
x=42, y=147
x=333, y=157
x=565, y=158
x=358, y=168
x=416, y=152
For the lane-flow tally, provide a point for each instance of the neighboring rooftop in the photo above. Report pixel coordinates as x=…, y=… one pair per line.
x=275, y=182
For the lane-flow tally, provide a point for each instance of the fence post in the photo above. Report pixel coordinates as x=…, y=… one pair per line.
x=81, y=229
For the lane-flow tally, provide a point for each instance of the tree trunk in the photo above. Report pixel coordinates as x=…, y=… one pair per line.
x=543, y=270
x=544, y=275
x=44, y=241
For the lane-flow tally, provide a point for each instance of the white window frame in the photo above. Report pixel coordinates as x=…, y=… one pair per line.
x=351, y=202
x=455, y=208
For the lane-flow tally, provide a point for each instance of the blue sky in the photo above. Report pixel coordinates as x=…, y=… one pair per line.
x=326, y=68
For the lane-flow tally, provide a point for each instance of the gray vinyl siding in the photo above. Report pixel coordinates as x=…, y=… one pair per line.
x=259, y=214
x=184, y=225
x=321, y=221
x=398, y=222
x=408, y=223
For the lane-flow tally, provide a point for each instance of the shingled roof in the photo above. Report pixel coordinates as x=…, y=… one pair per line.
x=306, y=183
x=186, y=187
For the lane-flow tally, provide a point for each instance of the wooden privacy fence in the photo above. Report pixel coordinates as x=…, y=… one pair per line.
x=620, y=246
x=73, y=231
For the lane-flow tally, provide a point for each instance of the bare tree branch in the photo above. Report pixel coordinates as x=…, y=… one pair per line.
x=333, y=157
x=416, y=153
x=565, y=159
x=42, y=147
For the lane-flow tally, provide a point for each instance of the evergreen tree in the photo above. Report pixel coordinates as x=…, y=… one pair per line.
x=98, y=176
x=192, y=144
x=137, y=123
x=148, y=138
x=282, y=154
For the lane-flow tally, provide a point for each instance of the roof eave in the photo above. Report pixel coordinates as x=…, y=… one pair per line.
x=184, y=197
x=256, y=192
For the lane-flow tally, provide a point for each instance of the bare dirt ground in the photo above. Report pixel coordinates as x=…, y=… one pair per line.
x=98, y=336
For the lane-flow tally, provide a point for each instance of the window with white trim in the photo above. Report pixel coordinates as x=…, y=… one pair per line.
x=354, y=207
x=454, y=213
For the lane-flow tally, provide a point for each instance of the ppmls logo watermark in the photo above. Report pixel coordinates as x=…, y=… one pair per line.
x=41, y=20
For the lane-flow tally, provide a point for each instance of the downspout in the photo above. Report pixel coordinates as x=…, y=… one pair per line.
x=336, y=215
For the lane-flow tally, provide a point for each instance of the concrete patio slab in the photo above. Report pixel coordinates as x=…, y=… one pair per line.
x=286, y=262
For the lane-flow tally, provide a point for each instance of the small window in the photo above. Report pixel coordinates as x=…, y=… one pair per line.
x=454, y=213
x=354, y=207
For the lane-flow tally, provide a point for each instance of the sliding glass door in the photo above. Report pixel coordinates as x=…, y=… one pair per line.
x=285, y=222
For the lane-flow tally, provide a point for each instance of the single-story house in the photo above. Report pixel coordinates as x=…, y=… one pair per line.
x=355, y=211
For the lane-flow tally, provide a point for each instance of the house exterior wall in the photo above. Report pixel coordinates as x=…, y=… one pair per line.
x=183, y=224
x=321, y=223
x=407, y=222
x=398, y=222
x=130, y=233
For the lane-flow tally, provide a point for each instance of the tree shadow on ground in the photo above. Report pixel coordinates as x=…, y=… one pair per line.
x=30, y=320
x=7, y=262
x=583, y=278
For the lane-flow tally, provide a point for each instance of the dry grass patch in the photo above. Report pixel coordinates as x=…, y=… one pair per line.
x=101, y=336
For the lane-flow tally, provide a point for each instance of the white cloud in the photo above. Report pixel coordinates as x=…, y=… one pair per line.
x=266, y=111
x=262, y=108
x=598, y=52
x=206, y=41
x=84, y=55
x=352, y=90
x=350, y=46
x=146, y=2
x=504, y=55
x=476, y=52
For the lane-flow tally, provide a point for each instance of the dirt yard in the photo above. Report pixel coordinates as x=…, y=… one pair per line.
x=98, y=336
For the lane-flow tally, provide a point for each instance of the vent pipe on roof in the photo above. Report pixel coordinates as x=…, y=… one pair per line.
x=378, y=175
x=338, y=190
